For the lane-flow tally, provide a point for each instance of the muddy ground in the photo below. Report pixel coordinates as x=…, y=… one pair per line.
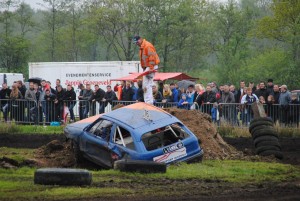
x=57, y=153
x=54, y=151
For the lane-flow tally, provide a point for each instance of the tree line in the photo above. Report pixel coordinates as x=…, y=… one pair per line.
x=249, y=40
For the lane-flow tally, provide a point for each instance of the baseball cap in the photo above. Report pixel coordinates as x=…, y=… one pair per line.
x=135, y=39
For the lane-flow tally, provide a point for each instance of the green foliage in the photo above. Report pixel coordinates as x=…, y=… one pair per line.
x=216, y=41
x=30, y=129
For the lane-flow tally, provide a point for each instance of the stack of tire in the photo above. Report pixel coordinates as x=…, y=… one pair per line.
x=265, y=137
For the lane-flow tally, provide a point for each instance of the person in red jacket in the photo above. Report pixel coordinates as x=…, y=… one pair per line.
x=149, y=62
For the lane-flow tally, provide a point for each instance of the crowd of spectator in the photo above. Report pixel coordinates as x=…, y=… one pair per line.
x=39, y=101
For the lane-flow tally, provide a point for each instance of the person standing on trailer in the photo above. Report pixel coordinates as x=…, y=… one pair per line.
x=149, y=61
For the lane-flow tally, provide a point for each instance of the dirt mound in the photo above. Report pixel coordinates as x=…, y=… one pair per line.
x=55, y=154
x=201, y=125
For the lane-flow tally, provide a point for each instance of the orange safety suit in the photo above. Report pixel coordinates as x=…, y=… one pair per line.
x=148, y=55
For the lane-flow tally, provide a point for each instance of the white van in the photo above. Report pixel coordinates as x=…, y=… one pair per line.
x=10, y=78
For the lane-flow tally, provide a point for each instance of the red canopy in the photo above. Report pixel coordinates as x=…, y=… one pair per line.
x=157, y=77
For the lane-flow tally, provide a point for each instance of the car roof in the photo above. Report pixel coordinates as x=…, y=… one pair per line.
x=138, y=115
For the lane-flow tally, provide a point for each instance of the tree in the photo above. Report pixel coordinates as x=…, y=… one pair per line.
x=230, y=40
x=23, y=16
x=53, y=20
x=284, y=27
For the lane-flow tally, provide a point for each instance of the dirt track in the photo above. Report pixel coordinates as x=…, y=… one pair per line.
x=186, y=189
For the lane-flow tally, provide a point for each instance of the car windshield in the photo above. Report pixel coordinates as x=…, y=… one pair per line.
x=164, y=136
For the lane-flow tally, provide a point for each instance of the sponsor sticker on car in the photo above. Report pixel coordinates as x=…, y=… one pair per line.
x=171, y=153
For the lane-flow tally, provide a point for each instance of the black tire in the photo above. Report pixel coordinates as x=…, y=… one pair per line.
x=277, y=154
x=266, y=138
x=260, y=128
x=268, y=143
x=140, y=166
x=259, y=119
x=264, y=132
x=62, y=176
x=266, y=148
x=77, y=153
x=260, y=123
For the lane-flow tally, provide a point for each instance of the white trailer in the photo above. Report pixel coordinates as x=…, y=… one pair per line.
x=10, y=78
x=76, y=73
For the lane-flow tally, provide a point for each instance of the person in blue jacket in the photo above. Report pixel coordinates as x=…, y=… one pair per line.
x=183, y=103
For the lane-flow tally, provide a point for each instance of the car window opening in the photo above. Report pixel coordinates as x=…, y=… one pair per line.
x=123, y=137
x=102, y=129
x=164, y=136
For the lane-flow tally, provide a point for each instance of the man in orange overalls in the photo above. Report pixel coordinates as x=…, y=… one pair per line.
x=149, y=62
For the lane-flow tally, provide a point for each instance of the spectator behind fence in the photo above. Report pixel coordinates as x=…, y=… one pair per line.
x=284, y=101
x=294, y=111
x=247, y=100
x=39, y=111
x=270, y=86
x=262, y=91
x=215, y=115
x=127, y=92
x=81, y=105
x=86, y=97
x=227, y=107
x=175, y=93
x=140, y=92
x=190, y=94
x=167, y=94
x=157, y=96
x=30, y=96
x=59, y=104
x=183, y=103
x=16, y=104
x=49, y=106
x=270, y=107
x=53, y=91
x=241, y=92
x=135, y=90
x=98, y=95
x=69, y=98
x=4, y=100
x=208, y=98
x=109, y=97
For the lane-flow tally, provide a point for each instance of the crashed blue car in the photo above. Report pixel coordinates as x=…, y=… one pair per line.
x=139, y=132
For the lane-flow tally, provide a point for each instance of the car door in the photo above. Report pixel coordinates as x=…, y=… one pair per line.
x=95, y=143
x=122, y=143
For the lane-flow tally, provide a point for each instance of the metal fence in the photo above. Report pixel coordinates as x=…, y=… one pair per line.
x=51, y=112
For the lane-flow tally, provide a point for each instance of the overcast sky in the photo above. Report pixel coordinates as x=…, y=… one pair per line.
x=34, y=3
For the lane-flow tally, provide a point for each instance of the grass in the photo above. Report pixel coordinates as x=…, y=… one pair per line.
x=226, y=130
x=18, y=184
x=17, y=154
x=29, y=129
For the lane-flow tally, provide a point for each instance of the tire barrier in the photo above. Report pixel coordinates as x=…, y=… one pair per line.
x=265, y=137
x=62, y=176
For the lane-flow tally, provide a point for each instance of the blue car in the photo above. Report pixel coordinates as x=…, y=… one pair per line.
x=139, y=132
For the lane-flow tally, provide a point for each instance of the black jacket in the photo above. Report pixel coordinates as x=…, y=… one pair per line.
x=69, y=95
x=127, y=94
x=262, y=92
x=276, y=97
x=98, y=95
x=4, y=94
x=208, y=97
x=110, y=96
x=140, y=95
